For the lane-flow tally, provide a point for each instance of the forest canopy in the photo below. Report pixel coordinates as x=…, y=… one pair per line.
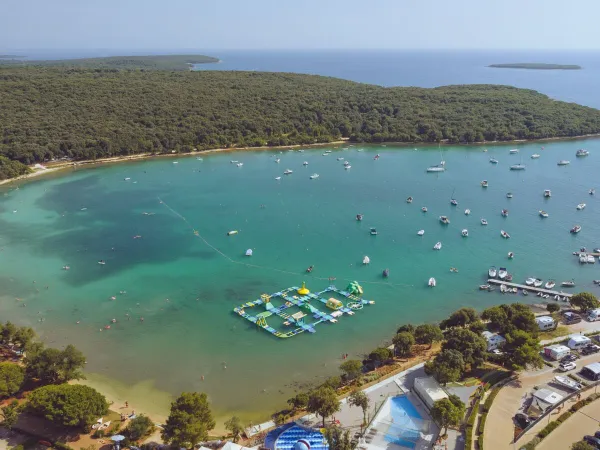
x=52, y=112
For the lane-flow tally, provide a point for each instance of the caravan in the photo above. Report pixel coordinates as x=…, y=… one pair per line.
x=593, y=315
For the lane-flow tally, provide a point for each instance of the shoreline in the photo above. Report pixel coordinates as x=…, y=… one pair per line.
x=60, y=166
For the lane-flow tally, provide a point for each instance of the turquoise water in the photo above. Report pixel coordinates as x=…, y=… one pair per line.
x=302, y=222
x=406, y=422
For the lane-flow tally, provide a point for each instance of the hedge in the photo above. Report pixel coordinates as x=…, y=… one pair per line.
x=482, y=423
x=548, y=429
x=480, y=441
x=488, y=402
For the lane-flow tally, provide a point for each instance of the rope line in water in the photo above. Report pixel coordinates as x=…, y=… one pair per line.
x=256, y=266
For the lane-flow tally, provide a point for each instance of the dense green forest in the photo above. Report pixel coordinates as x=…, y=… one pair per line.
x=12, y=169
x=151, y=62
x=536, y=66
x=85, y=114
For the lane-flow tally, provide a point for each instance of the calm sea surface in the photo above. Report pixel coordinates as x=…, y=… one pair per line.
x=185, y=290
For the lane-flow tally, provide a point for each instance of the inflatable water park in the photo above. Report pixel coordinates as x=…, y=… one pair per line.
x=306, y=316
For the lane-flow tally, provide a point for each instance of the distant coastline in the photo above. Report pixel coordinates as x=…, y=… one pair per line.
x=536, y=66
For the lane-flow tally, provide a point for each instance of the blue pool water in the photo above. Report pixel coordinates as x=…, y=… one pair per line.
x=286, y=437
x=406, y=422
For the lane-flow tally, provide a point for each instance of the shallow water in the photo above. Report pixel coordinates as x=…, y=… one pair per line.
x=303, y=222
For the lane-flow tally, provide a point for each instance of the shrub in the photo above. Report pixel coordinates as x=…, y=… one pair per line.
x=482, y=423
x=480, y=441
x=98, y=434
x=548, y=429
x=488, y=401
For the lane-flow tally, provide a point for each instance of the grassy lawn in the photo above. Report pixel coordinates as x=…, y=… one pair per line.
x=559, y=331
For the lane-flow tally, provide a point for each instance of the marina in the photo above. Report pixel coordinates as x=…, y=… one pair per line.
x=524, y=287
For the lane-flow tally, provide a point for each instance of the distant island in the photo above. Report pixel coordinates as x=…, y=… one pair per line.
x=9, y=56
x=536, y=66
x=150, y=62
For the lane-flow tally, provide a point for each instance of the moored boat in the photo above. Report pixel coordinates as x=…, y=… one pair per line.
x=543, y=214
x=424, y=209
x=314, y=175
x=529, y=281
x=232, y=232
x=592, y=191
x=493, y=160
x=509, y=195
x=373, y=231
x=511, y=255
x=563, y=162
x=513, y=151
x=502, y=273
x=366, y=260
x=568, y=283
x=483, y=221
x=467, y=212
x=409, y=200
x=582, y=152
x=305, y=163
x=504, y=213
x=537, y=282
x=535, y=156
x=484, y=183
x=431, y=282
x=484, y=287
x=421, y=232
x=576, y=229
x=517, y=167
x=492, y=272
x=464, y=232
x=547, y=193
x=386, y=273
x=432, y=169
x=581, y=206
x=288, y=172
x=437, y=246
x=359, y=217
x=504, y=234
x=444, y=220
x=249, y=252
x=550, y=284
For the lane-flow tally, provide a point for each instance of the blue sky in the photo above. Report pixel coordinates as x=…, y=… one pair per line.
x=299, y=24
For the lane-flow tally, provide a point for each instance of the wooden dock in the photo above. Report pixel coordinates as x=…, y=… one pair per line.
x=528, y=288
x=586, y=253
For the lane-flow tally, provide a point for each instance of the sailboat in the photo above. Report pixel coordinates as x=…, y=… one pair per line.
x=439, y=167
x=453, y=201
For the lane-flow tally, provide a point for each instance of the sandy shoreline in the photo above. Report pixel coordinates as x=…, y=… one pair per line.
x=53, y=168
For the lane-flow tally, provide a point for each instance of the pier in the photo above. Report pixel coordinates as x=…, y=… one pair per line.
x=528, y=288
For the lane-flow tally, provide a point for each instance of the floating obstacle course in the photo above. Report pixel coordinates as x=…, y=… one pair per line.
x=305, y=301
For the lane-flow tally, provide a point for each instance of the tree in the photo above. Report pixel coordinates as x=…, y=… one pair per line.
x=139, y=427
x=471, y=346
x=477, y=327
x=460, y=318
x=7, y=332
x=333, y=382
x=339, y=440
x=403, y=343
x=448, y=412
x=234, y=426
x=552, y=307
x=10, y=414
x=584, y=301
x=299, y=401
x=522, y=350
x=505, y=318
x=23, y=337
x=360, y=399
x=447, y=366
x=428, y=334
x=324, y=402
x=581, y=445
x=380, y=355
x=351, y=368
x=11, y=379
x=71, y=405
x=409, y=328
x=189, y=421
x=53, y=366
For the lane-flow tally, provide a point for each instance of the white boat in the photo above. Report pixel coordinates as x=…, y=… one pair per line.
x=509, y=195
x=590, y=259
x=483, y=221
x=592, y=191
x=436, y=169
x=484, y=183
x=348, y=167
x=537, y=282
x=517, y=167
x=199, y=159
x=305, y=163
x=421, y=232
x=444, y=220
x=314, y=175
x=581, y=206
x=563, y=162
x=373, y=231
x=409, y=200
x=366, y=260
x=464, y=232
x=582, y=258
x=249, y=252
x=431, y=282
x=567, y=382
x=504, y=213
x=582, y=152
x=529, y=281
x=277, y=160
x=550, y=284
x=548, y=193
x=424, y=209
x=340, y=159
x=511, y=255
x=568, y=283
x=346, y=163
x=327, y=151
x=232, y=232
x=175, y=162
x=66, y=267
x=233, y=161
x=576, y=229
x=467, y=212
x=288, y=172
x=278, y=178
x=502, y=273
x=493, y=160
x=492, y=272
x=535, y=156
x=513, y=151
x=101, y=262
x=504, y=234
x=543, y=213
x=240, y=164
x=437, y=246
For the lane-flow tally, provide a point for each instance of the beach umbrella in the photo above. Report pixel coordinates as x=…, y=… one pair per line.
x=117, y=437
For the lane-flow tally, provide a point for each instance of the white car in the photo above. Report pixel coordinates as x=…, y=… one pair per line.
x=565, y=367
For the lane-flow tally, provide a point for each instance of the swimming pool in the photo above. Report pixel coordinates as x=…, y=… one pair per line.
x=406, y=423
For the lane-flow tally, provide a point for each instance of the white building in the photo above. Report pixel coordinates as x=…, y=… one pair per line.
x=494, y=340
x=578, y=341
x=545, y=323
x=556, y=351
x=429, y=390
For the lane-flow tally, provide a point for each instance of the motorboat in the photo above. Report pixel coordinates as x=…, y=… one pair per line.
x=550, y=284
x=525, y=293
x=581, y=206
x=424, y=209
x=493, y=160
x=327, y=151
x=454, y=202
x=101, y=262
x=366, y=260
x=583, y=258
x=502, y=273
x=467, y=212
x=249, y=252
x=127, y=179
x=484, y=287
x=348, y=167
x=373, y=231
x=529, y=281
x=431, y=282
x=517, y=167
x=278, y=178
x=431, y=169
x=563, y=162
x=288, y=172
x=234, y=161
x=597, y=282
x=199, y=159
x=305, y=163
x=484, y=183
x=409, y=200
x=509, y=195
x=377, y=156
x=582, y=152
x=509, y=277
x=504, y=213
x=437, y=246
x=547, y=193
x=567, y=382
x=386, y=273
x=504, y=234
x=576, y=229
x=66, y=267
x=346, y=163
x=492, y=272
x=513, y=151
x=420, y=232
x=504, y=289
x=464, y=233
x=278, y=160
x=483, y=221
x=359, y=217
x=239, y=164
x=538, y=283
x=543, y=214
x=314, y=175
x=340, y=159
x=592, y=191
x=444, y=220
x=232, y=232
x=568, y=283
x=535, y=156
x=590, y=259
x=511, y=255
x=309, y=269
